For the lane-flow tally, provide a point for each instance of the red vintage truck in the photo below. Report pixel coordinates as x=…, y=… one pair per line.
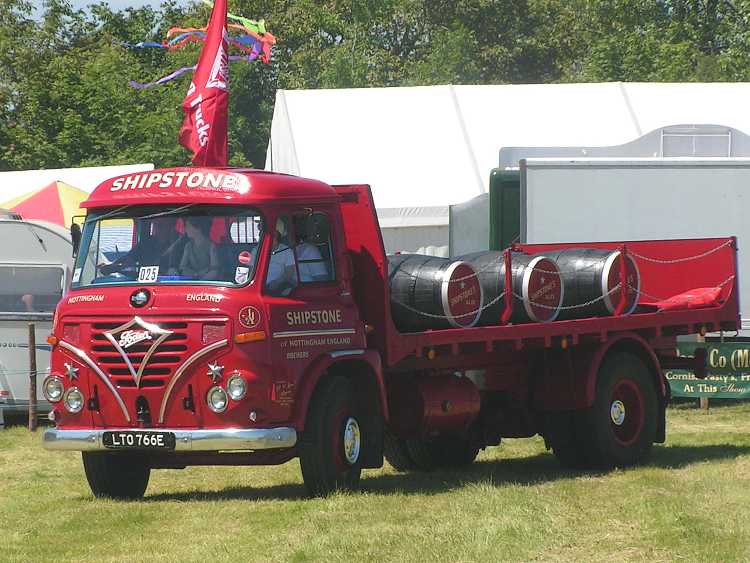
x=178, y=345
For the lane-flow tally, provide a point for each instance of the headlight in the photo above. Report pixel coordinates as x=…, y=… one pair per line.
x=217, y=399
x=236, y=387
x=73, y=400
x=53, y=388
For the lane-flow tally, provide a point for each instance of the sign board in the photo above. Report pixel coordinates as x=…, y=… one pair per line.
x=728, y=372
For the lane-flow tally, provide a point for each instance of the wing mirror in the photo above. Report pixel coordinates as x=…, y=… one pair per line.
x=75, y=237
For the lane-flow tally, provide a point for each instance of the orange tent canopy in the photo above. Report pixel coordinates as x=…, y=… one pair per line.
x=57, y=203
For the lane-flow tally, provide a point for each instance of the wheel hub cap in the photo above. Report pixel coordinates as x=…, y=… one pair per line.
x=617, y=412
x=352, y=441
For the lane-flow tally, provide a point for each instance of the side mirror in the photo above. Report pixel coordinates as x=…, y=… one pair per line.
x=75, y=237
x=318, y=228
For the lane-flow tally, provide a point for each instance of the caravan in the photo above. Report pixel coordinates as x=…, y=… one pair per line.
x=35, y=265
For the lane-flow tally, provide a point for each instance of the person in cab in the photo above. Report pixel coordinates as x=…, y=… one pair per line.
x=200, y=258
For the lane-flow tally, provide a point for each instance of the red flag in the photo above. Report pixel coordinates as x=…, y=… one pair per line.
x=204, y=129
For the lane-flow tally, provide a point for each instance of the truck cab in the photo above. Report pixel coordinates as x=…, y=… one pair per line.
x=205, y=305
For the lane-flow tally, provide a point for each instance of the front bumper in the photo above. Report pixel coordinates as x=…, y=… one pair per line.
x=223, y=439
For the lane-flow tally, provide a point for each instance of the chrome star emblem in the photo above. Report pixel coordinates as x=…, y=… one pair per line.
x=214, y=372
x=71, y=371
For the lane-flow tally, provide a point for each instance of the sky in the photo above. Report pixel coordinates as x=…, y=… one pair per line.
x=114, y=4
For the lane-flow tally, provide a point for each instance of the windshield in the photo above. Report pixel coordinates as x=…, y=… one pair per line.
x=188, y=244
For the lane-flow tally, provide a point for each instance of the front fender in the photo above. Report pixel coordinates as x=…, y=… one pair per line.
x=323, y=364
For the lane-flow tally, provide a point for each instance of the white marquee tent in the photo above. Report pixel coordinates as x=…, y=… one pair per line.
x=425, y=148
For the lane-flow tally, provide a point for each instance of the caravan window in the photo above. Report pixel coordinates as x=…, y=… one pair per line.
x=30, y=289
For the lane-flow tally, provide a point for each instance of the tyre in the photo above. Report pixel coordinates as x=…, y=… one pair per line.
x=455, y=451
x=396, y=453
x=331, y=444
x=619, y=429
x=116, y=475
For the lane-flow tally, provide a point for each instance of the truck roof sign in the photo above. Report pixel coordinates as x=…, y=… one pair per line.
x=204, y=185
x=183, y=179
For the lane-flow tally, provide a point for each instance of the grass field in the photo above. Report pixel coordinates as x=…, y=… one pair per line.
x=691, y=502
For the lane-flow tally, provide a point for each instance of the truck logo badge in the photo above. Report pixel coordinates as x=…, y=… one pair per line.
x=249, y=317
x=130, y=336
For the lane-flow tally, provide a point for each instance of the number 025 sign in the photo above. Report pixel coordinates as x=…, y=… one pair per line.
x=148, y=274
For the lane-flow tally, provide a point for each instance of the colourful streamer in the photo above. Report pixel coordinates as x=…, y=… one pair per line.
x=179, y=72
x=256, y=42
x=259, y=26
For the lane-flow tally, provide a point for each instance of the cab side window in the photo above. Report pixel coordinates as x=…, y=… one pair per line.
x=313, y=249
x=281, y=277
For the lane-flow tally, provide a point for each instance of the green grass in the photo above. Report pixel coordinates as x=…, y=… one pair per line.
x=691, y=502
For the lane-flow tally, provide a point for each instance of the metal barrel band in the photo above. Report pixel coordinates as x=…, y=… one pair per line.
x=468, y=277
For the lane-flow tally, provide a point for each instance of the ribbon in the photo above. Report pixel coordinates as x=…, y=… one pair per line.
x=259, y=26
x=180, y=71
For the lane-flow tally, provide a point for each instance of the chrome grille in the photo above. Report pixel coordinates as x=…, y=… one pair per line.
x=167, y=357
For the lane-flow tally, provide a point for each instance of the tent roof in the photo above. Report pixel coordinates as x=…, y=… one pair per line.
x=56, y=203
x=436, y=145
x=18, y=183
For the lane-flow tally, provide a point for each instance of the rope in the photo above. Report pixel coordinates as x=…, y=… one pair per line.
x=569, y=307
x=583, y=269
x=433, y=316
x=684, y=259
x=655, y=298
x=638, y=292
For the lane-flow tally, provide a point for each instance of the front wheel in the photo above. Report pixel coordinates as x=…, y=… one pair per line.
x=116, y=475
x=332, y=442
x=619, y=429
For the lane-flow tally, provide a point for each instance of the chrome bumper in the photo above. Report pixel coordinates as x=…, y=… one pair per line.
x=230, y=439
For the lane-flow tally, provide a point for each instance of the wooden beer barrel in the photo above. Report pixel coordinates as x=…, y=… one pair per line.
x=537, y=286
x=591, y=274
x=429, y=292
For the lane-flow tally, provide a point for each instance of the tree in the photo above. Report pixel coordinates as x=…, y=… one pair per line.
x=64, y=98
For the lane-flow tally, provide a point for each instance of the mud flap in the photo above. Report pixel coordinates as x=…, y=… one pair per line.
x=661, y=426
x=373, y=432
x=661, y=423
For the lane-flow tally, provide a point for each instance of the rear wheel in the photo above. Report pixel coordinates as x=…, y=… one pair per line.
x=444, y=451
x=456, y=451
x=115, y=475
x=619, y=429
x=561, y=436
x=332, y=441
x=396, y=452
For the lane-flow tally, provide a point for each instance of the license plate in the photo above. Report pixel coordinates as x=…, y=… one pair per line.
x=135, y=440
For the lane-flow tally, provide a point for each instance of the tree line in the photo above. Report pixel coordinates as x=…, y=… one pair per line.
x=65, y=99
